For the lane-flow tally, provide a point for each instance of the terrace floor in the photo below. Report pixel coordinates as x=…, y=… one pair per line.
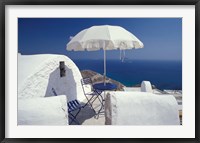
x=87, y=115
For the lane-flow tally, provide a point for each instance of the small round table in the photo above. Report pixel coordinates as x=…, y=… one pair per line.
x=101, y=87
x=107, y=86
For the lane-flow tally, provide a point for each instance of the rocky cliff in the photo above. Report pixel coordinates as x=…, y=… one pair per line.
x=96, y=78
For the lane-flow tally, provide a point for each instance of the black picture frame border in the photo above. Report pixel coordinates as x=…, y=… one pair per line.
x=3, y=4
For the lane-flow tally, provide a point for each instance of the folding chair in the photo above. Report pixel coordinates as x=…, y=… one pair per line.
x=73, y=106
x=92, y=95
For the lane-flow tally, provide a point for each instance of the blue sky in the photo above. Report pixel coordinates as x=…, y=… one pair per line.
x=162, y=37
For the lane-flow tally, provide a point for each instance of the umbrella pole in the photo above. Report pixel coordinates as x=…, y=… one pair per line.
x=104, y=51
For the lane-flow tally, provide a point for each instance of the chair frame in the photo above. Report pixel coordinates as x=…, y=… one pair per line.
x=75, y=105
x=94, y=93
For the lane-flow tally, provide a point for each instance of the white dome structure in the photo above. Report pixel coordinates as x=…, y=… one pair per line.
x=42, y=92
x=39, y=74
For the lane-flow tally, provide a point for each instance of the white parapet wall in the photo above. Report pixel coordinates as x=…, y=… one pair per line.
x=140, y=108
x=43, y=111
x=39, y=74
x=146, y=86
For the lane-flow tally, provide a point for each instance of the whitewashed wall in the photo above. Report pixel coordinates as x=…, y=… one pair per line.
x=140, y=108
x=38, y=74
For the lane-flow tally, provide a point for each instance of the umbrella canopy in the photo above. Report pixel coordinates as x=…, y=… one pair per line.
x=106, y=37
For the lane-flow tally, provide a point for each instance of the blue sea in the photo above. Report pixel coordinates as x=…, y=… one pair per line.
x=162, y=74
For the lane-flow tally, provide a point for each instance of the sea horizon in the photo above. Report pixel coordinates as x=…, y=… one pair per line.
x=163, y=74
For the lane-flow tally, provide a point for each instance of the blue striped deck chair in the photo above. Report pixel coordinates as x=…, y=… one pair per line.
x=74, y=105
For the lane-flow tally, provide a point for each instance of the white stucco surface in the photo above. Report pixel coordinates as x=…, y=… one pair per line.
x=146, y=86
x=43, y=111
x=140, y=108
x=38, y=74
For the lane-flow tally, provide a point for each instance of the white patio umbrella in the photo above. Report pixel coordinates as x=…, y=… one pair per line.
x=106, y=37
